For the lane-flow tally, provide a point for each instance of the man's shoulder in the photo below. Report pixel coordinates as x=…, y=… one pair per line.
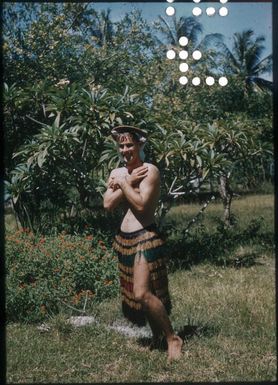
x=152, y=168
x=153, y=172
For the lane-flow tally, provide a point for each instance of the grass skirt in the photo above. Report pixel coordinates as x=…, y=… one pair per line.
x=148, y=243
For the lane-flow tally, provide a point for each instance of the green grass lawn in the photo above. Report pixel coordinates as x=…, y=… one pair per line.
x=245, y=208
x=232, y=313
x=226, y=315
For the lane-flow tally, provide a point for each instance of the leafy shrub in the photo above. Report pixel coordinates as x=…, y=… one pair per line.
x=43, y=273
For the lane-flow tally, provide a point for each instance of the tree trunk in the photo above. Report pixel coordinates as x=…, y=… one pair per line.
x=17, y=221
x=226, y=194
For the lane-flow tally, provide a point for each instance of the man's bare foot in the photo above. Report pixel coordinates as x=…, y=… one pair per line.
x=174, y=348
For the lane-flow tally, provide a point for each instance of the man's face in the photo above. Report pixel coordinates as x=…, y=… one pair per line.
x=129, y=149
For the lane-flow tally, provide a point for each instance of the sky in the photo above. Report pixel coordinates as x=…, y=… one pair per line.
x=242, y=16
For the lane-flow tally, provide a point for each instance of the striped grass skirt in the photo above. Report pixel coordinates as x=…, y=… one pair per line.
x=145, y=242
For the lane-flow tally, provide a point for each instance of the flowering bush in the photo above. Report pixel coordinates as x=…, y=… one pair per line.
x=45, y=272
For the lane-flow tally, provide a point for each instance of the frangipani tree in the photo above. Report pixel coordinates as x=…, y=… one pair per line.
x=197, y=153
x=63, y=157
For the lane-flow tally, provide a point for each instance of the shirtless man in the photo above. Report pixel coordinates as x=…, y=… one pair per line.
x=143, y=273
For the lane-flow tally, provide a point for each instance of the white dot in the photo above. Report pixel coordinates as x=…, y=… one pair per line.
x=210, y=11
x=183, y=55
x=197, y=55
x=183, y=41
x=170, y=1
x=221, y=1
x=170, y=11
x=196, y=1
x=183, y=67
x=223, y=81
x=196, y=81
x=223, y=11
x=196, y=11
x=210, y=80
x=171, y=54
x=183, y=80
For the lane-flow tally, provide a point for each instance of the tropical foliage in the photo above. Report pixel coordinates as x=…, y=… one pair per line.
x=72, y=73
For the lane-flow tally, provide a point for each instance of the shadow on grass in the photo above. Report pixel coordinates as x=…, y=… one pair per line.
x=236, y=245
x=234, y=261
x=185, y=333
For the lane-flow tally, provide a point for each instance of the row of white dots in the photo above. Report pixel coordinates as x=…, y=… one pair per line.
x=171, y=54
x=197, y=11
x=196, y=81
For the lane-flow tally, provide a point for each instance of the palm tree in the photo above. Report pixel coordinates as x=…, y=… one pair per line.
x=185, y=26
x=191, y=28
x=245, y=60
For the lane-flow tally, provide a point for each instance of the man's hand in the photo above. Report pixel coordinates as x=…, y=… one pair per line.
x=140, y=188
x=112, y=184
x=113, y=196
x=136, y=176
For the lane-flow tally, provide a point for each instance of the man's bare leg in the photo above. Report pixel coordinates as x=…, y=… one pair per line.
x=154, y=308
x=157, y=333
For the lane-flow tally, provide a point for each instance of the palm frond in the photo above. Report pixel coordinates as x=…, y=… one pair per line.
x=167, y=31
x=262, y=84
x=212, y=40
x=264, y=66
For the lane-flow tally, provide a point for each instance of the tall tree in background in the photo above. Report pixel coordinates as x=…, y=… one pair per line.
x=184, y=26
x=191, y=28
x=245, y=60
